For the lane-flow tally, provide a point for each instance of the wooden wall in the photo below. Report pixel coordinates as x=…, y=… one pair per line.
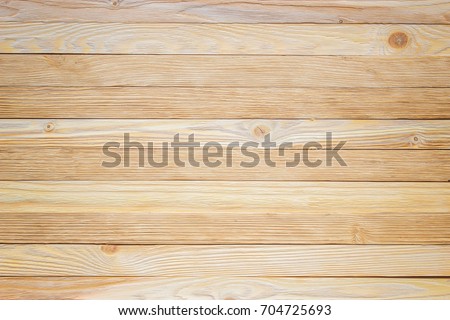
x=76, y=74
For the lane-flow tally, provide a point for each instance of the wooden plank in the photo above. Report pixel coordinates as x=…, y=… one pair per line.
x=67, y=163
x=252, y=11
x=224, y=212
x=224, y=103
x=225, y=228
x=223, y=288
x=216, y=71
x=358, y=134
x=223, y=197
x=115, y=38
x=211, y=260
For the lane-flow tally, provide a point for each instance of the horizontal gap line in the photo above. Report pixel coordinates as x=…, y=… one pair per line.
x=230, y=245
x=42, y=144
x=227, y=22
x=222, y=87
x=194, y=180
x=216, y=87
x=236, y=119
x=240, y=180
x=229, y=277
x=386, y=56
x=223, y=54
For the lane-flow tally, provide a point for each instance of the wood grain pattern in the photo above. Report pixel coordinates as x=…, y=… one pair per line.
x=358, y=134
x=222, y=197
x=224, y=212
x=224, y=103
x=67, y=163
x=225, y=228
x=95, y=38
x=252, y=11
x=213, y=260
x=216, y=71
x=223, y=288
x=75, y=75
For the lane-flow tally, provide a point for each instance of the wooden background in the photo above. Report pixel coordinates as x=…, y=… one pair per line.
x=76, y=74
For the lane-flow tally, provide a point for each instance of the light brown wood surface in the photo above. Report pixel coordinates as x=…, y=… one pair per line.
x=216, y=260
x=358, y=134
x=204, y=197
x=224, y=288
x=230, y=11
x=224, y=212
x=73, y=163
x=224, y=103
x=256, y=39
x=216, y=71
x=75, y=75
x=226, y=228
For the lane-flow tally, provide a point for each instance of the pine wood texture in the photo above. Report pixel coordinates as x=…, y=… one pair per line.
x=217, y=71
x=226, y=228
x=223, y=288
x=229, y=11
x=75, y=75
x=224, y=213
x=72, y=163
x=216, y=260
x=95, y=197
x=277, y=39
x=224, y=103
x=358, y=134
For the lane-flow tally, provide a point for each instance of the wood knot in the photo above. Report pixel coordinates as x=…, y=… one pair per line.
x=109, y=248
x=398, y=40
x=359, y=235
x=49, y=127
x=260, y=131
x=415, y=140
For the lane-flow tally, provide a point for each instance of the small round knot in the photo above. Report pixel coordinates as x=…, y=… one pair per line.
x=415, y=141
x=49, y=127
x=260, y=131
x=109, y=249
x=398, y=40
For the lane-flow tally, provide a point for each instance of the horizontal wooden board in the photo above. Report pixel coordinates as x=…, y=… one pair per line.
x=216, y=71
x=224, y=212
x=101, y=38
x=358, y=134
x=252, y=11
x=224, y=103
x=222, y=197
x=226, y=228
x=222, y=288
x=211, y=260
x=73, y=163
